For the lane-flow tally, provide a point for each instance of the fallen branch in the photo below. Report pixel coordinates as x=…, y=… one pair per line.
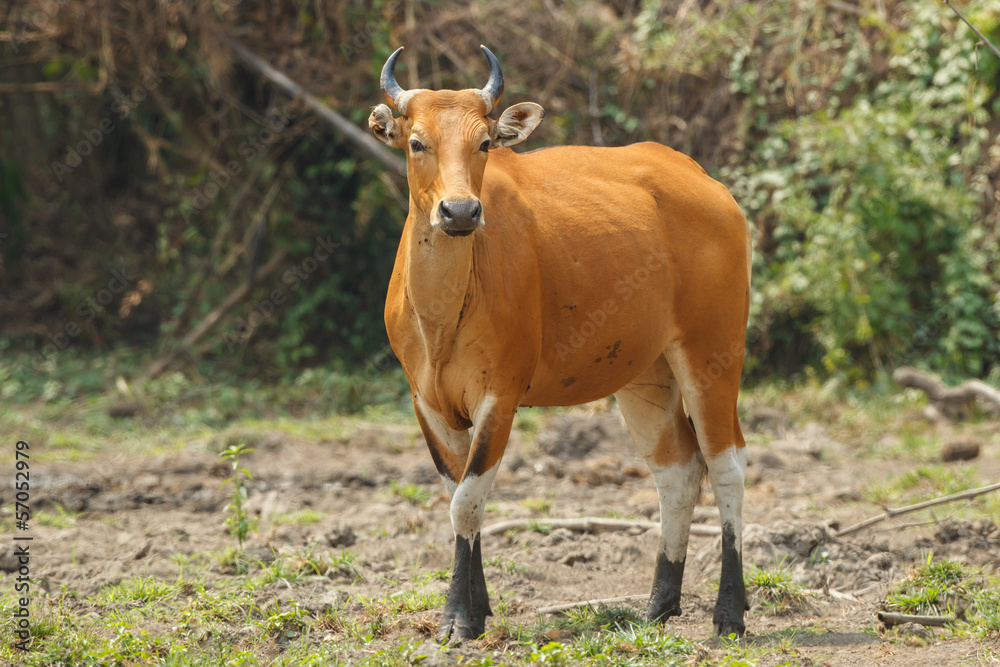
x=591, y=525
x=352, y=133
x=954, y=402
x=209, y=320
x=560, y=608
x=964, y=495
x=889, y=619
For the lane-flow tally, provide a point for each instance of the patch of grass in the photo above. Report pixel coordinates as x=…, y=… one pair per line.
x=540, y=506
x=415, y=494
x=300, y=567
x=536, y=526
x=607, y=636
x=136, y=589
x=773, y=590
x=528, y=421
x=59, y=517
x=234, y=560
x=301, y=518
x=777, y=648
x=945, y=587
x=984, y=617
x=441, y=574
x=921, y=483
x=507, y=565
x=289, y=622
x=934, y=588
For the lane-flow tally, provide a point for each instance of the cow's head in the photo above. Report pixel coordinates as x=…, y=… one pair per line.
x=447, y=135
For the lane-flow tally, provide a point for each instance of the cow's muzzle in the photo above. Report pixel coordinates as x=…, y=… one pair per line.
x=460, y=217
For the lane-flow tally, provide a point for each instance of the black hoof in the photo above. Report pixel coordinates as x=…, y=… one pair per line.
x=660, y=611
x=455, y=630
x=727, y=628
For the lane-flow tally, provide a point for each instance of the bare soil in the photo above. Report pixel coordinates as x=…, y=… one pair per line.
x=136, y=514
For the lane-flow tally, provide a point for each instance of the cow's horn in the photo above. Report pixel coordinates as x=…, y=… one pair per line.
x=391, y=90
x=493, y=90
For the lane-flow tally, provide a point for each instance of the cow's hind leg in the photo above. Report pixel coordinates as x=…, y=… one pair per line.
x=708, y=370
x=449, y=449
x=652, y=408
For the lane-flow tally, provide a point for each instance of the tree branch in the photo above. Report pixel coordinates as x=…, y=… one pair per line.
x=348, y=130
x=981, y=36
x=964, y=495
x=209, y=320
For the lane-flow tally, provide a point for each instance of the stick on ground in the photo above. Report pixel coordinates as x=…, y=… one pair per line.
x=560, y=608
x=590, y=524
x=964, y=495
x=889, y=619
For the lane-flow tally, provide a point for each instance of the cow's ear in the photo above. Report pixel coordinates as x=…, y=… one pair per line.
x=387, y=129
x=516, y=123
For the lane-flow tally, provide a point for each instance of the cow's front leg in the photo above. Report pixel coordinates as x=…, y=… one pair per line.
x=468, y=602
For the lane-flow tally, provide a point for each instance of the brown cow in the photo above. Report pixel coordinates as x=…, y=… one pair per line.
x=559, y=277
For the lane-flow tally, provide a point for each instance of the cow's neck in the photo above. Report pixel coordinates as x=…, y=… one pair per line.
x=439, y=277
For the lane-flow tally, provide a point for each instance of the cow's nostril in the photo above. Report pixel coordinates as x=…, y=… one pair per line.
x=445, y=212
x=476, y=212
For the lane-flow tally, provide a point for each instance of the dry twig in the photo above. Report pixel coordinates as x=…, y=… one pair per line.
x=591, y=525
x=964, y=495
x=974, y=29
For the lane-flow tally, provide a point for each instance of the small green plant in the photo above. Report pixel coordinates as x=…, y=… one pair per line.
x=537, y=505
x=539, y=527
x=413, y=493
x=302, y=517
x=60, y=517
x=505, y=564
x=239, y=521
x=773, y=589
x=985, y=615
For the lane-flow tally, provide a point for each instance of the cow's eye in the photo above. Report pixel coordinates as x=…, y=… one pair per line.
x=416, y=146
x=486, y=145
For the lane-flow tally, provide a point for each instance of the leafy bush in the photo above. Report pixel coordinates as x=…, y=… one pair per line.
x=871, y=245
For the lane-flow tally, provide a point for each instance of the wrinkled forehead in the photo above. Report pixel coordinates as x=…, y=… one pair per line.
x=446, y=112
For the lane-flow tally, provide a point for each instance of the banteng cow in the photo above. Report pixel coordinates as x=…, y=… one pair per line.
x=558, y=277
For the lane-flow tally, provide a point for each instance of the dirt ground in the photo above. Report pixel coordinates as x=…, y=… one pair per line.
x=135, y=515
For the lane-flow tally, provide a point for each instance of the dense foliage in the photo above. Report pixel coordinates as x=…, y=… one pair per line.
x=151, y=174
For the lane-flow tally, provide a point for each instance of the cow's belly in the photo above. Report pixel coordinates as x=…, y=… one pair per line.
x=594, y=354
